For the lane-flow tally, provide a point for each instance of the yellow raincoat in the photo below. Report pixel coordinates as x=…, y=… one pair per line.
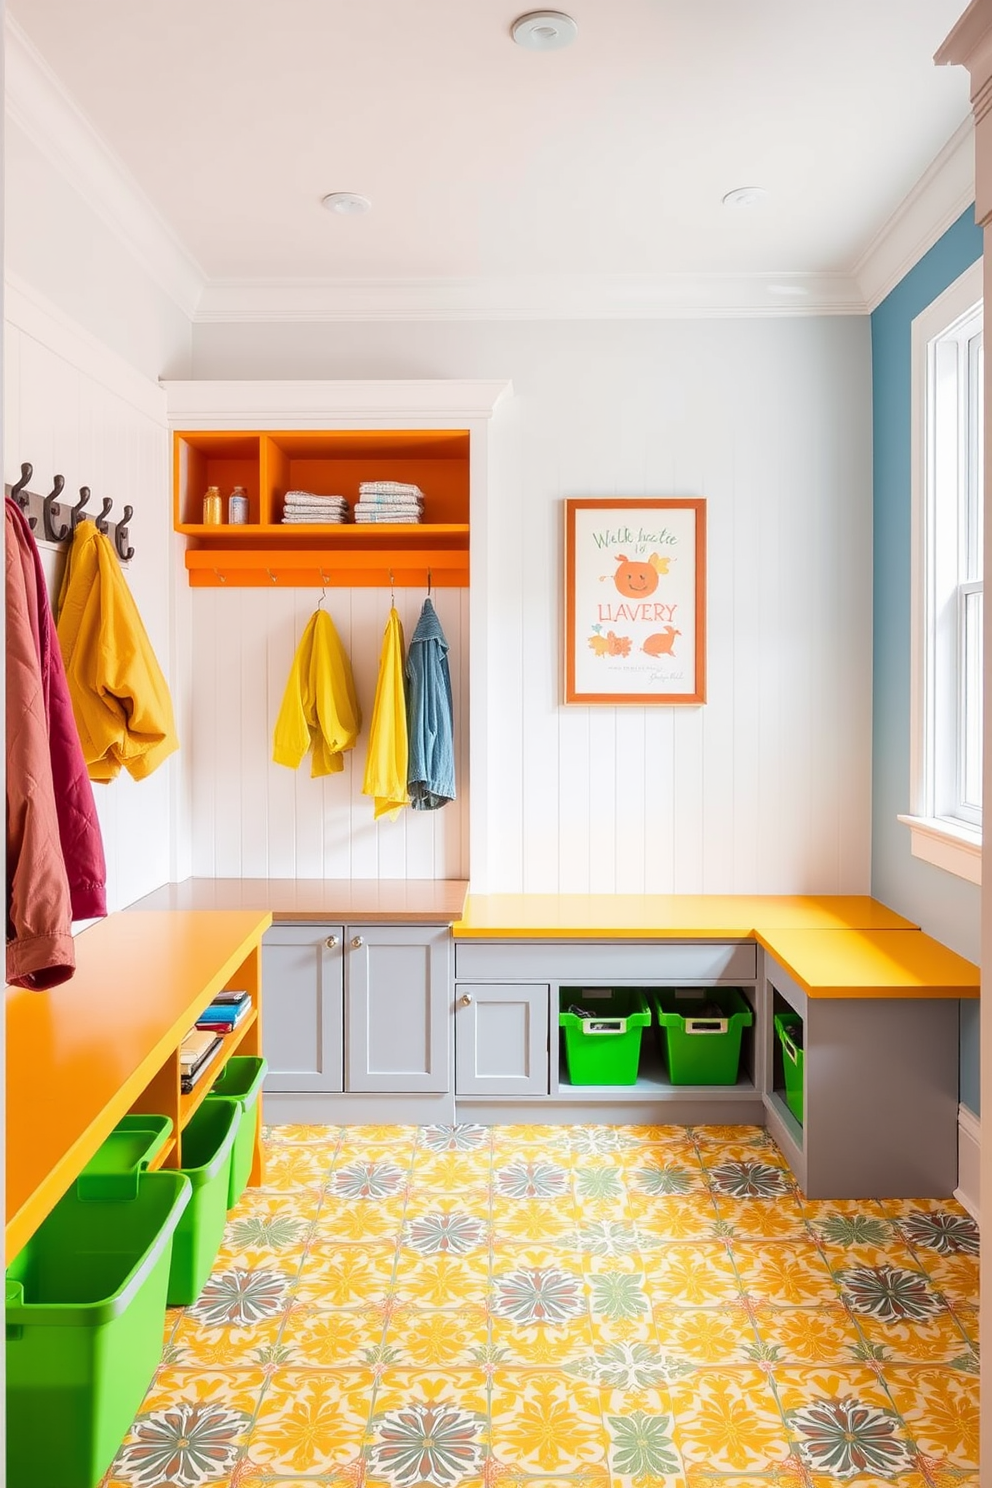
x=120, y=699
x=319, y=708
x=386, y=763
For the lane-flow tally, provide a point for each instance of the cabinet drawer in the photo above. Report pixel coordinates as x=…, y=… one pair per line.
x=593, y=961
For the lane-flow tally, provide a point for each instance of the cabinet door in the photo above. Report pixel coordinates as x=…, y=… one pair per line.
x=501, y=1039
x=398, y=1006
x=302, y=977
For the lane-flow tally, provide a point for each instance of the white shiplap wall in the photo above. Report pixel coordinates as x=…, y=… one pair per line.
x=72, y=407
x=765, y=789
x=252, y=818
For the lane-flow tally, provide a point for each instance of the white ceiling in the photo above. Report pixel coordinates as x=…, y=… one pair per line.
x=481, y=159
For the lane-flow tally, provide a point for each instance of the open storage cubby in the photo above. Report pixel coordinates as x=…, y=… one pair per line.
x=331, y=462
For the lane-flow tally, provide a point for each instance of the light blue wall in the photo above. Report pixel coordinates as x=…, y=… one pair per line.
x=945, y=906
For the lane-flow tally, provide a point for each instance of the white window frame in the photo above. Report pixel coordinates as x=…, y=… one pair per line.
x=944, y=830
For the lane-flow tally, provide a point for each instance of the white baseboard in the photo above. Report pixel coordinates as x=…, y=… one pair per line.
x=968, y=1191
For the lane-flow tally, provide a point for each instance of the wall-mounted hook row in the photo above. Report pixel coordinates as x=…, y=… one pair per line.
x=45, y=513
x=326, y=568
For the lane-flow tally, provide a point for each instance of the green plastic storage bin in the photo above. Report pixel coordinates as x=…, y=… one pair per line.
x=86, y=1304
x=604, y=1049
x=700, y=1033
x=240, y=1081
x=207, y=1144
x=792, y=1059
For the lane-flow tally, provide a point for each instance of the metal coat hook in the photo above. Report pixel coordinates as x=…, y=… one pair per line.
x=272, y=576
x=76, y=515
x=120, y=536
x=53, y=533
x=324, y=581
x=27, y=470
x=428, y=583
x=101, y=521
x=222, y=578
x=392, y=590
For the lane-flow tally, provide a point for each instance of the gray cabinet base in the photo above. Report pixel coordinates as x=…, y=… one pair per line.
x=358, y=1108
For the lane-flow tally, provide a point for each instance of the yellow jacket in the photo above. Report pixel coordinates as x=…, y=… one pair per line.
x=120, y=699
x=386, y=762
x=319, y=708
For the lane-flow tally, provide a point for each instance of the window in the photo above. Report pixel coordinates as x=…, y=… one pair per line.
x=946, y=754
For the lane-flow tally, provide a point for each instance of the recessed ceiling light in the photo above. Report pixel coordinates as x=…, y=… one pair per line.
x=544, y=30
x=346, y=203
x=745, y=196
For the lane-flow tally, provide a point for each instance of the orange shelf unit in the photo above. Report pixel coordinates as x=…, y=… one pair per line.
x=270, y=463
x=81, y=1056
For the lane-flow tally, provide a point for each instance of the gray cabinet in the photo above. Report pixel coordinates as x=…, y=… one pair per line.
x=302, y=972
x=397, y=1008
x=501, y=1039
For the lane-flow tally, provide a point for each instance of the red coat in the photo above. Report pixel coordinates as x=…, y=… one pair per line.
x=55, y=862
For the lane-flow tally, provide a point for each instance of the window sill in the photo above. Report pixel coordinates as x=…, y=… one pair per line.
x=949, y=845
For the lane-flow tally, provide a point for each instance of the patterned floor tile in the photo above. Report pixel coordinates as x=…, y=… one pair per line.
x=418, y=1337
x=954, y=1276
x=346, y=1275
x=940, y=1408
x=729, y=1419
x=190, y=1429
x=934, y=1340
x=758, y=1219
x=291, y=1167
x=689, y=1217
x=316, y=1337
x=808, y=1335
x=300, y=1135
x=441, y=1281
x=452, y=1172
x=537, y=1220
x=785, y=1273
x=706, y=1335
x=698, y=1275
x=348, y=1221
x=547, y=1423
x=311, y=1421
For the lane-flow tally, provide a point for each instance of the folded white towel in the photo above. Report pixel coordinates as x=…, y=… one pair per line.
x=396, y=487
x=396, y=517
x=315, y=519
x=318, y=511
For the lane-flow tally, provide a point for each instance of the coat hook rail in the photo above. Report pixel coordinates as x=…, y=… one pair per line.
x=45, y=513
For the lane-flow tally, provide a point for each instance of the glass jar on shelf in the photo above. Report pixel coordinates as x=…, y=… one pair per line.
x=237, y=507
x=213, y=514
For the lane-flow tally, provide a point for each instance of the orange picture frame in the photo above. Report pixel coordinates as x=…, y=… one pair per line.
x=635, y=600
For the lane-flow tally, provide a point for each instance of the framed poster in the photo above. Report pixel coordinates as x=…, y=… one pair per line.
x=635, y=601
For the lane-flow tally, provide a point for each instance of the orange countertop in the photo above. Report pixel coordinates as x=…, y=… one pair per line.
x=405, y=901
x=79, y=1055
x=665, y=916
x=871, y=963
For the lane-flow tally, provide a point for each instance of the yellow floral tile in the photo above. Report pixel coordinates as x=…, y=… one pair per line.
x=729, y=1420
x=762, y=1219
x=545, y=1423
x=464, y=1389
x=196, y=1345
x=452, y=1172
x=727, y=1136
x=785, y=1273
x=705, y=1335
x=311, y=1421
x=301, y=1135
x=346, y=1275
x=346, y=1221
x=237, y=1390
x=934, y=1340
x=969, y=1317
x=315, y=1337
x=360, y=1139
x=429, y=1201
x=662, y=1173
x=293, y=1167
x=955, y=1276
x=900, y=1480
x=798, y=1386
x=808, y=1335
x=940, y=1408
x=424, y=1338
x=841, y=1258
x=532, y=1221
x=546, y=1345
x=692, y=1217
x=441, y=1280
x=902, y=1208
x=698, y=1275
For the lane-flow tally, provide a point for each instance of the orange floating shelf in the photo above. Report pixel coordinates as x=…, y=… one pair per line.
x=271, y=463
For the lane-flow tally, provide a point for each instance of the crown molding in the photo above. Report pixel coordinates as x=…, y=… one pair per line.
x=599, y=297
x=269, y=403
x=943, y=192
x=37, y=103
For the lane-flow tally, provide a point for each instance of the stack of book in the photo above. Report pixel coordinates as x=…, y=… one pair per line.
x=195, y=1053
x=225, y=1012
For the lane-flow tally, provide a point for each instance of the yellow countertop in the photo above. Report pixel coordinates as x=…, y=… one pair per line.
x=871, y=963
x=79, y=1055
x=398, y=901
x=665, y=916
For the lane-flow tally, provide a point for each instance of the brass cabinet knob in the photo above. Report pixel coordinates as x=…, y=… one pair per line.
x=332, y=942
x=466, y=1000
x=357, y=942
